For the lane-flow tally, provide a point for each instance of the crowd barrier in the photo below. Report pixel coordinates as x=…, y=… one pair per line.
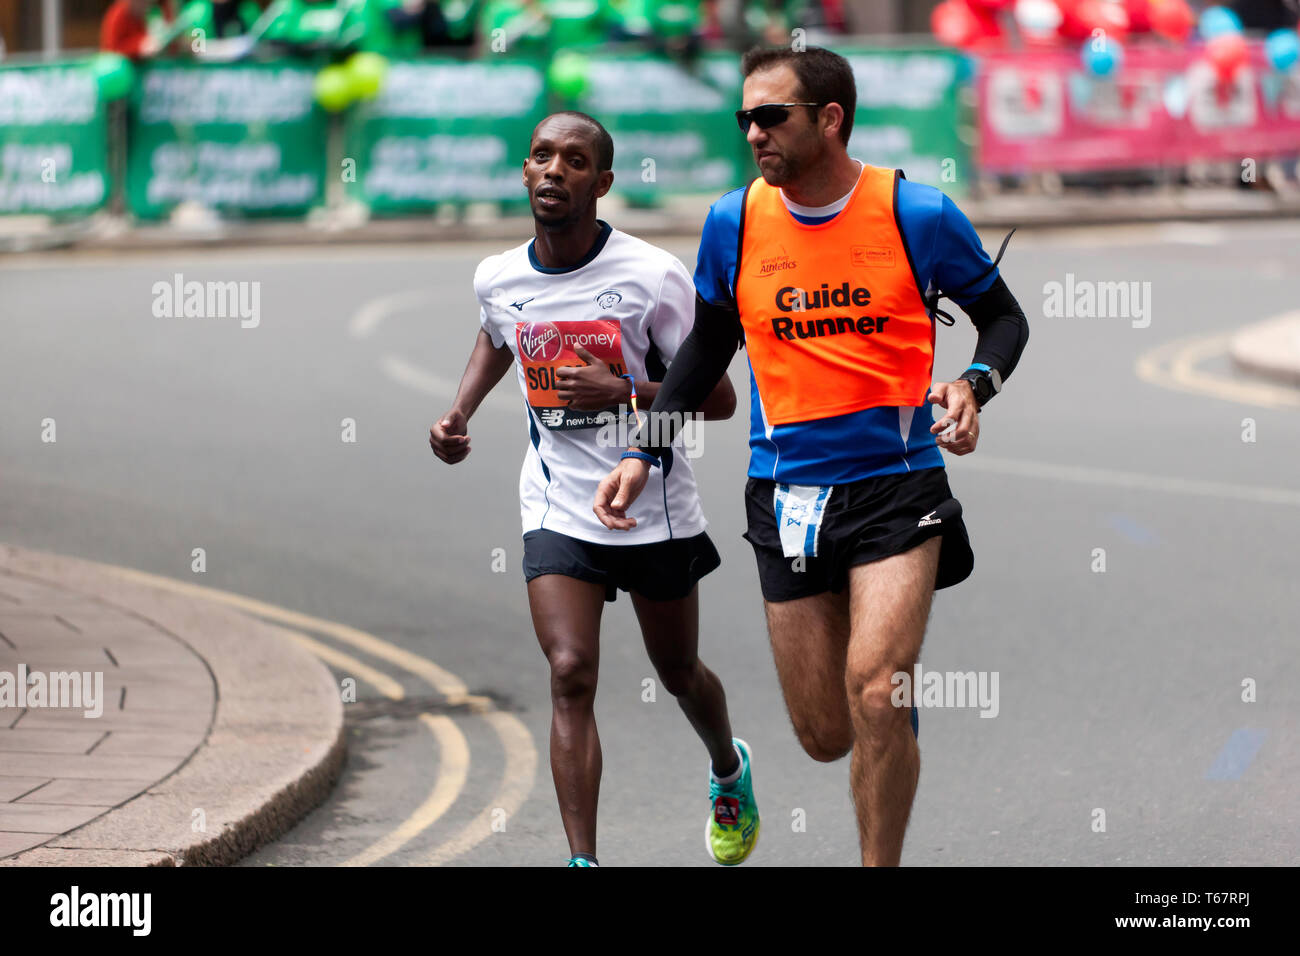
x=251, y=139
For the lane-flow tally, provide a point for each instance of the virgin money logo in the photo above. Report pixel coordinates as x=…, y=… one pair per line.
x=539, y=341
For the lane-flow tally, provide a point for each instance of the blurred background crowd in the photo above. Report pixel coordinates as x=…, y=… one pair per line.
x=252, y=107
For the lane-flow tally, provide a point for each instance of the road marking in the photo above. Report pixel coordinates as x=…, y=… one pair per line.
x=453, y=752
x=368, y=317
x=347, y=664
x=1130, y=479
x=516, y=784
x=1173, y=365
x=453, y=770
x=520, y=755
x=446, y=683
x=412, y=376
x=1236, y=754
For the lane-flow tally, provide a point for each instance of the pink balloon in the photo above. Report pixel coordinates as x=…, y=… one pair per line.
x=954, y=23
x=1227, y=53
x=1172, y=19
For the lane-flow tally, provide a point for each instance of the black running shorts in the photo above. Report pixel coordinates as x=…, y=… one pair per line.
x=661, y=571
x=861, y=522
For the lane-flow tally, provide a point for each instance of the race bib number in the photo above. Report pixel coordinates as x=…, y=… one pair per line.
x=547, y=347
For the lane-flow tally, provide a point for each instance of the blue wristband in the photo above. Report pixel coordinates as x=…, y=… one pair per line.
x=642, y=456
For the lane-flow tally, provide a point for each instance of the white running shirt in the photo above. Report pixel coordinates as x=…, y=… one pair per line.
x=630, y=304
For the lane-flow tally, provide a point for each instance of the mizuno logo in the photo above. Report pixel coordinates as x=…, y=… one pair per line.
x=519, y=306
x=929, y=519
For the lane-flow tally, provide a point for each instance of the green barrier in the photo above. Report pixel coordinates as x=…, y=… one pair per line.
x=53, y=141
x=444, y=131
x=909, y=114
x=673, y=130
x=245, y=139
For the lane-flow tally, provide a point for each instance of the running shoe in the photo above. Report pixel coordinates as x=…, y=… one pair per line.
x=732, y=830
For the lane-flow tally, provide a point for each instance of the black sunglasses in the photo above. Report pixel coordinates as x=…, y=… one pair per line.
x=767, y=115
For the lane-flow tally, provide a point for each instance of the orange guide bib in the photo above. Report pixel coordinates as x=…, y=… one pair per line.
x=833, y=319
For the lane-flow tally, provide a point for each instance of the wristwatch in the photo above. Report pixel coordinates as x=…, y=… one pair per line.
x=985, y=381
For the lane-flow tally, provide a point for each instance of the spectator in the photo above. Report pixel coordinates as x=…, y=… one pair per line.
x=125, y=29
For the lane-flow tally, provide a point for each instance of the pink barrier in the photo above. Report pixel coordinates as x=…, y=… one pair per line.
x=1039, y=110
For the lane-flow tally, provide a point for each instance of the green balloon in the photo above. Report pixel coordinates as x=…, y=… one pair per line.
x=568, y=75
x=367, y=72
x=114, y=75
x=333, y=88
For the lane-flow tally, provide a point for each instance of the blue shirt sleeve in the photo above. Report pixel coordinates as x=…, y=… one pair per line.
x=715, y=264
x=945, y=248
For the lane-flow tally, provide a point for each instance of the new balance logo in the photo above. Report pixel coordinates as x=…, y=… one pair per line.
x=519, y=306
x=929, y=520
x=552, y=416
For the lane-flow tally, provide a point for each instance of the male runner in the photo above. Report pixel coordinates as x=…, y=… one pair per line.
x=828, y=271
x=574, y=309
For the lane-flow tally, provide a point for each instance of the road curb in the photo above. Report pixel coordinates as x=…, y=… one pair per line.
x=682, y=216
x=273, y=750
x=1270, y=349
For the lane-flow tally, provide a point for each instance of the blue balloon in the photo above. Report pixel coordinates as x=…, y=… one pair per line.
x=1216, y=21
x=1102, y=57
x=1283, y=49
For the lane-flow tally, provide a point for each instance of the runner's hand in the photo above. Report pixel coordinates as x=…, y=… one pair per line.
x=618, y=490
x=958, y=399
x=590, y=387
x=449, y=438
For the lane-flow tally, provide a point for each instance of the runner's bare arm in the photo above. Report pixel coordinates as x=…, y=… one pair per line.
x=449, y=436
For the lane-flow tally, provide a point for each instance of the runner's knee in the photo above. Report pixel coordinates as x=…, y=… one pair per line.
x=872, y=700
x=680, y=678
x=573, y=677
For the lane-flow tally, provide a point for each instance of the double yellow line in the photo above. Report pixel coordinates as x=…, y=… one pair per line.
x=520, y=770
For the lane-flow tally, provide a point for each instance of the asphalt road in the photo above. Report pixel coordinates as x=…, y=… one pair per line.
x=1119, y=690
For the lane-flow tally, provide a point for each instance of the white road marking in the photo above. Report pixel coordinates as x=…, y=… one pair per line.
x=422, y=380
x=1167, y=484
x=368, y=317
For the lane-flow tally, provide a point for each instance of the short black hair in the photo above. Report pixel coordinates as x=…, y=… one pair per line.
x=824, y=77
x=601, y=141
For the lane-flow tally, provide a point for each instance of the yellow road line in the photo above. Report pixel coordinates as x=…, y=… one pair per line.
x=520, y=755
x=517, y=782
x=453, y=769
x=445, y=682
x=1173, y=365
x=348, y=664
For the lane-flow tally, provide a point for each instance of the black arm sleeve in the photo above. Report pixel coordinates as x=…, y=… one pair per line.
x=1002, y=326
x=695, y=371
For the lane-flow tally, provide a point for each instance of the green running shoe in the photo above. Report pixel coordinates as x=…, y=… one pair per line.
x=732, y=830
x=582, y=861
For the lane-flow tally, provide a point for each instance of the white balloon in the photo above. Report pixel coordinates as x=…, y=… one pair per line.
x=1038, y=16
